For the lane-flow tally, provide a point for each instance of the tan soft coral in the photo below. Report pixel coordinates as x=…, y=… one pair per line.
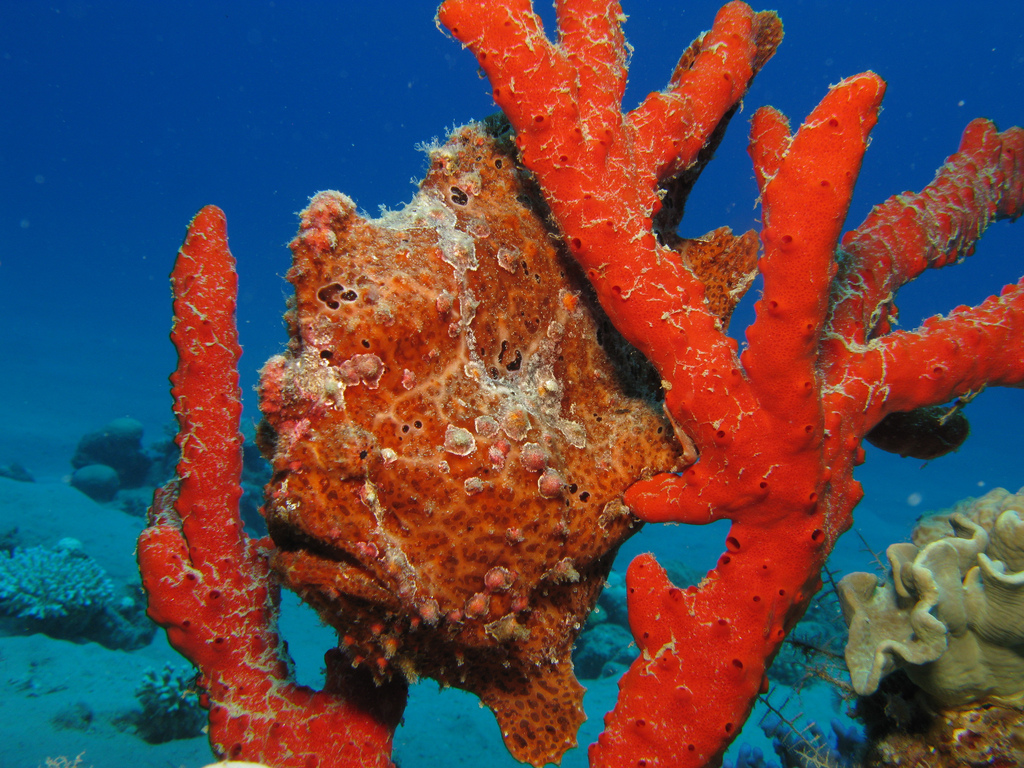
x=451, y=439
x=953, y=616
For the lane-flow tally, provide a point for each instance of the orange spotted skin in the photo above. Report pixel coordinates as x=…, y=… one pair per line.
x=451, y=443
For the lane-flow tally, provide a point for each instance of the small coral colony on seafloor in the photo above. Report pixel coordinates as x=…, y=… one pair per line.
x=486, y=393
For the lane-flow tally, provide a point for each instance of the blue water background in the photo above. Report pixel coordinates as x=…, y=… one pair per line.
x=118, y=121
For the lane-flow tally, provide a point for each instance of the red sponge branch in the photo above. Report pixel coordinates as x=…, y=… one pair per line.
x=908, y=233
x=209, y=584
x=947, y=357
x=207, y=397
x=805, y=203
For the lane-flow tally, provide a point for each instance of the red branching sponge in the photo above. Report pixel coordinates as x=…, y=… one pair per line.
x=777, y=429
x=208, y=583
